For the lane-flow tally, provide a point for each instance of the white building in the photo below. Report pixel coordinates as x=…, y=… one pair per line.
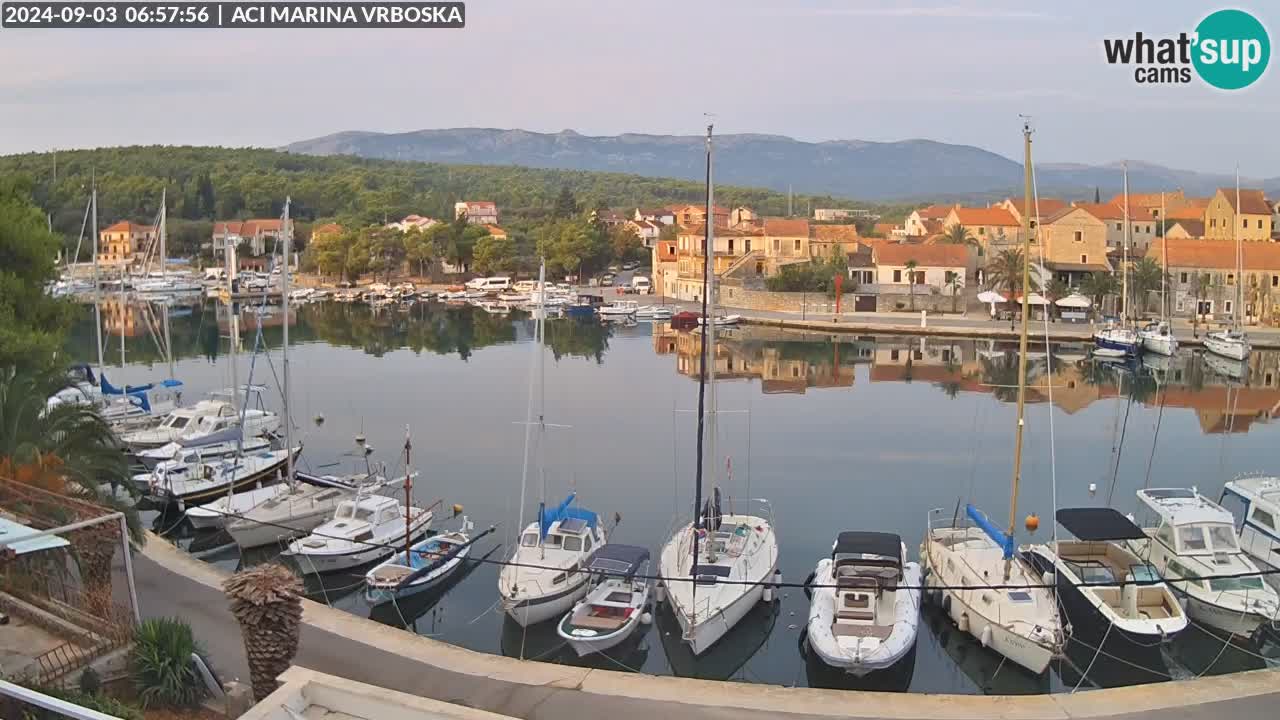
x=477, y=212
x=413, y=221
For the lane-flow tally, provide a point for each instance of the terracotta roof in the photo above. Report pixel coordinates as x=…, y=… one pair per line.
x=480, y=204
x=1194, y=228
x=1105, y=211
x=937, y=212
x=1252, y=202
x=1188, y=212
x=126, y=226
x=1144, y=199
x=700, y=231
x=888, y=228
x=666, y=247
x=1217, y=254
x=984, y=216
x=834, y=233
x=1044, y=207
x=495, y=230
x=786, y=227
x=939, y=255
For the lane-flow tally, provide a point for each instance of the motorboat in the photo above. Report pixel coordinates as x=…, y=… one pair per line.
x=722, y=320
x=1158, y=338
x=990, y=592
x=615, y=605
x=865, y=608
x=426, y=564
x=363, y=529
x=712, y=582
x=215, y=514
x=1114, y=599
x=654, y=312
x=185, y=484
x=1230, y=344
x=621, y=308
x=204, y=418
x=301, y=293
x=1258, y=517
x=1115, y=340
x=310, y=501
x=1195, y=547
x=209, y=447
x=544, y=577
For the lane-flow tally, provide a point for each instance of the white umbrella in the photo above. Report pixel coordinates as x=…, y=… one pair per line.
x=990, y=296
x=1034, y=299
x=1075, y=300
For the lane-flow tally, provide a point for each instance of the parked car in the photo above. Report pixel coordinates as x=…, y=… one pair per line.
x=630, y=265
x=640, y=285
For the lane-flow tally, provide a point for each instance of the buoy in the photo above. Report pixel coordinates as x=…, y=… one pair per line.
x=986, y=636
x=963, y=622
x=1033, y=522
x=660, y=592
x=768, y=593
x=457, y=509
x=646, y=618
x=319, y=419
x=1093, y=488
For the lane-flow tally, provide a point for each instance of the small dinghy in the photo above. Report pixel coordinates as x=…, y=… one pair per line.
x=866, y=603
x=429, y=563
x=614, y=606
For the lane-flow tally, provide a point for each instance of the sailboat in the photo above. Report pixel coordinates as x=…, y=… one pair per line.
x=544, y=577
x=975, y=572
x=1233, y=343
x=1118, y=339
x=1158, y=337
x=714, y=569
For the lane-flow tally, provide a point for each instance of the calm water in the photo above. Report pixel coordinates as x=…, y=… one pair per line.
x=837, y=432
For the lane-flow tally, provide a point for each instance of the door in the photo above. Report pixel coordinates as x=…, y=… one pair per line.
x=864, y=303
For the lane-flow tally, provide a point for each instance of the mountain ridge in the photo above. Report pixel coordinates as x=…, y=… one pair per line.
x=915, y=168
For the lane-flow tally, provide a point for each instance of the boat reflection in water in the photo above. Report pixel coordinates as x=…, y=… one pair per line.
x=821, y=675
x=1201, y=651
x=407, y=612
x=724, y=659
x=988, y=670
x=1108, y=671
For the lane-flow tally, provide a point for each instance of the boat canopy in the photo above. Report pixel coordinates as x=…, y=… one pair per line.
x=1098, y=524
x=882, y=544
x=615, y=559
x=565, y=514
x=110, y=389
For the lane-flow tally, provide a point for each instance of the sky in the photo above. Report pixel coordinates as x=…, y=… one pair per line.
x=948, y=70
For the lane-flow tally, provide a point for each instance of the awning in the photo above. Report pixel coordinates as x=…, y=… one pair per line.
x=867, y=543
x=1096, y=524
x=618, y=559
x=1075, y=300
x=1033, y=299
x=990, y=296
x=10, y=529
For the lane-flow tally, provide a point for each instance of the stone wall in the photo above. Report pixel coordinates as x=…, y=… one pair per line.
x=741, y=298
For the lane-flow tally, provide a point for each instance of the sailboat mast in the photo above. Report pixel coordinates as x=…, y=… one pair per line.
x=97, y=284
x=1164, y=259
x=408, y=497
x=707, y=329
x=540, y=329
x=1235, y=222
x=709, y=318
x=1124, y=263
x=164, y=211
x=1022, y=337
x=284, y=351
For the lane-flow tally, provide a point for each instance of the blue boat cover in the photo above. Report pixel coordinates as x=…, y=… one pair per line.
x=563, y=511
x=1005, y=541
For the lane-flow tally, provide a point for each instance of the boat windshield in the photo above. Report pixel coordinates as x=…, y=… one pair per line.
x=1207, y=537
x=345, y=510
x=530, y=539
x=1241, y=583
x=365, y=514
x=177, y=421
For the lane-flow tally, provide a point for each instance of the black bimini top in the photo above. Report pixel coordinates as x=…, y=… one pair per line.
x=868, y=543
x=1098, y=524
x=617, y=559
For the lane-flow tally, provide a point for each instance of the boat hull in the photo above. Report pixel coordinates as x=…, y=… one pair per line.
x=378, y=595
x=532, y=611
x=164, y=498
x=708, y=631
x=1227, y=349
x=600, y=643
x=1159, y=344
x=884, y=654
x=1107, y=345
x=316, y=563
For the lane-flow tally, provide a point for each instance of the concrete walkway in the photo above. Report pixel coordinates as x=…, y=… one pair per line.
x=171, y=583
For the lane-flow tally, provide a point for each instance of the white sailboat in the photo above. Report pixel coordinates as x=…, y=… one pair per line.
x=1233, y=343
x=715, y=568
x=1158, y=337
x=975, y=572
x=544, y=577
x=1118, y=339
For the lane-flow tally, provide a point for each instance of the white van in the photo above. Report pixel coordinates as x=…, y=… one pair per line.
x=494, y=284
x=640, y=284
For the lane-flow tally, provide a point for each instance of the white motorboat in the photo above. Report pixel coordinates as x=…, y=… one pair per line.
x=654, y=312
x=1158, y=338
x=616, y=603
x=215, y=514
x=363, y=529
x=865, y=608
x=1195, y=546
x=1116, y=341
x=621, y=308
x=1230, y=344
x=544, y=577
x=722, y=320
x=427, y=564
x=1258, y=517
x=307, y=505
x=202, y=419
x=1114, y=599
x=301, y=293
x=209, y=447
x=184, y=485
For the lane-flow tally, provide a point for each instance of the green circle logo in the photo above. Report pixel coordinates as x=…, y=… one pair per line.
x=1232, y=49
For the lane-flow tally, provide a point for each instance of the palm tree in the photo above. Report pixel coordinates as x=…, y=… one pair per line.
x=958, y=235
x=1005, y=272
x=1098, y=286
x=1056, y=289
x=911, y=280
x=956, y=284
x=267, y=602
x=1144, y=277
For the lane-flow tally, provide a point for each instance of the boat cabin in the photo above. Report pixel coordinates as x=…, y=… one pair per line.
x=1254, y=503
x=1189, y=523
x=618, y=597
x=864, y=565
x=570, y=534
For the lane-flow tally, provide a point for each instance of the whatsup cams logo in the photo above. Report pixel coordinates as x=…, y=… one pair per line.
x=1229, y=50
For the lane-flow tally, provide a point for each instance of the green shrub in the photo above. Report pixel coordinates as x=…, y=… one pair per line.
x=99, y=702
x=161, y=664
x=90, y=682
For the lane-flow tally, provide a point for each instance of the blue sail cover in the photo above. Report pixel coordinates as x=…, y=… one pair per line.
x=563, y=511
x=109, y=389
x=1005, y=541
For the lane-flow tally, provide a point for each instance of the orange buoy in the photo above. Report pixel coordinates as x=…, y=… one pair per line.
x=1033, y=522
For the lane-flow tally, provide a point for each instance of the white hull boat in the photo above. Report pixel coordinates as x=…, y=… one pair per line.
x=186, y=485
x=616, y=604
x=362, y=531
x=549, y=589
x=220, y=449
x=654, y=312
x=306, y=506
x=1158, y=338
x=722, y=320
x=865, y=609
x=215, y=514
x=1230, y=344
x=622, y=309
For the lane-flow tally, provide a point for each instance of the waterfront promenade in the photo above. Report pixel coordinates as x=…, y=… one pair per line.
x=171, y=583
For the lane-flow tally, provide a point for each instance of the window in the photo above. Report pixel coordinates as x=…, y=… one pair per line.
x=1213, y=222
x=797, y=247
x=1223, y=537
x=1229, y=307
x=1243, y=583
x=1231, y=278
x=897, y=276
x=795, y=371
x=746, y=245
x=573, y=544
x=1245, y=223
x=1084, y=259
x=1165, y=534
x=1259, y=224
x=948, y=277
x=1275, y=281
x=1191, y=538
x=1079, y=236
x=893, y=355
x=730, y=246
x=1033, y=223
x=1263, y=518
x=917, y=355
x=1183, y=278
x=586, y=544
x=777, y=245
x=1119, y=226
x=982, y=231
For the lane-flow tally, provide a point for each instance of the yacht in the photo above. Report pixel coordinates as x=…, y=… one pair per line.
x=1194, y=546
x=654, y=312
x=363, y=529
x=1115, y=340
x=184, y=484
x=204, y=418
x=616, y=604
x=621, y=308
x=1158, y=338
x=1232, y=344
x=544, y=577
x=865, y=608
x=1259, y=517
x=212, y=446
x=1114, y=599
x=302, y=508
